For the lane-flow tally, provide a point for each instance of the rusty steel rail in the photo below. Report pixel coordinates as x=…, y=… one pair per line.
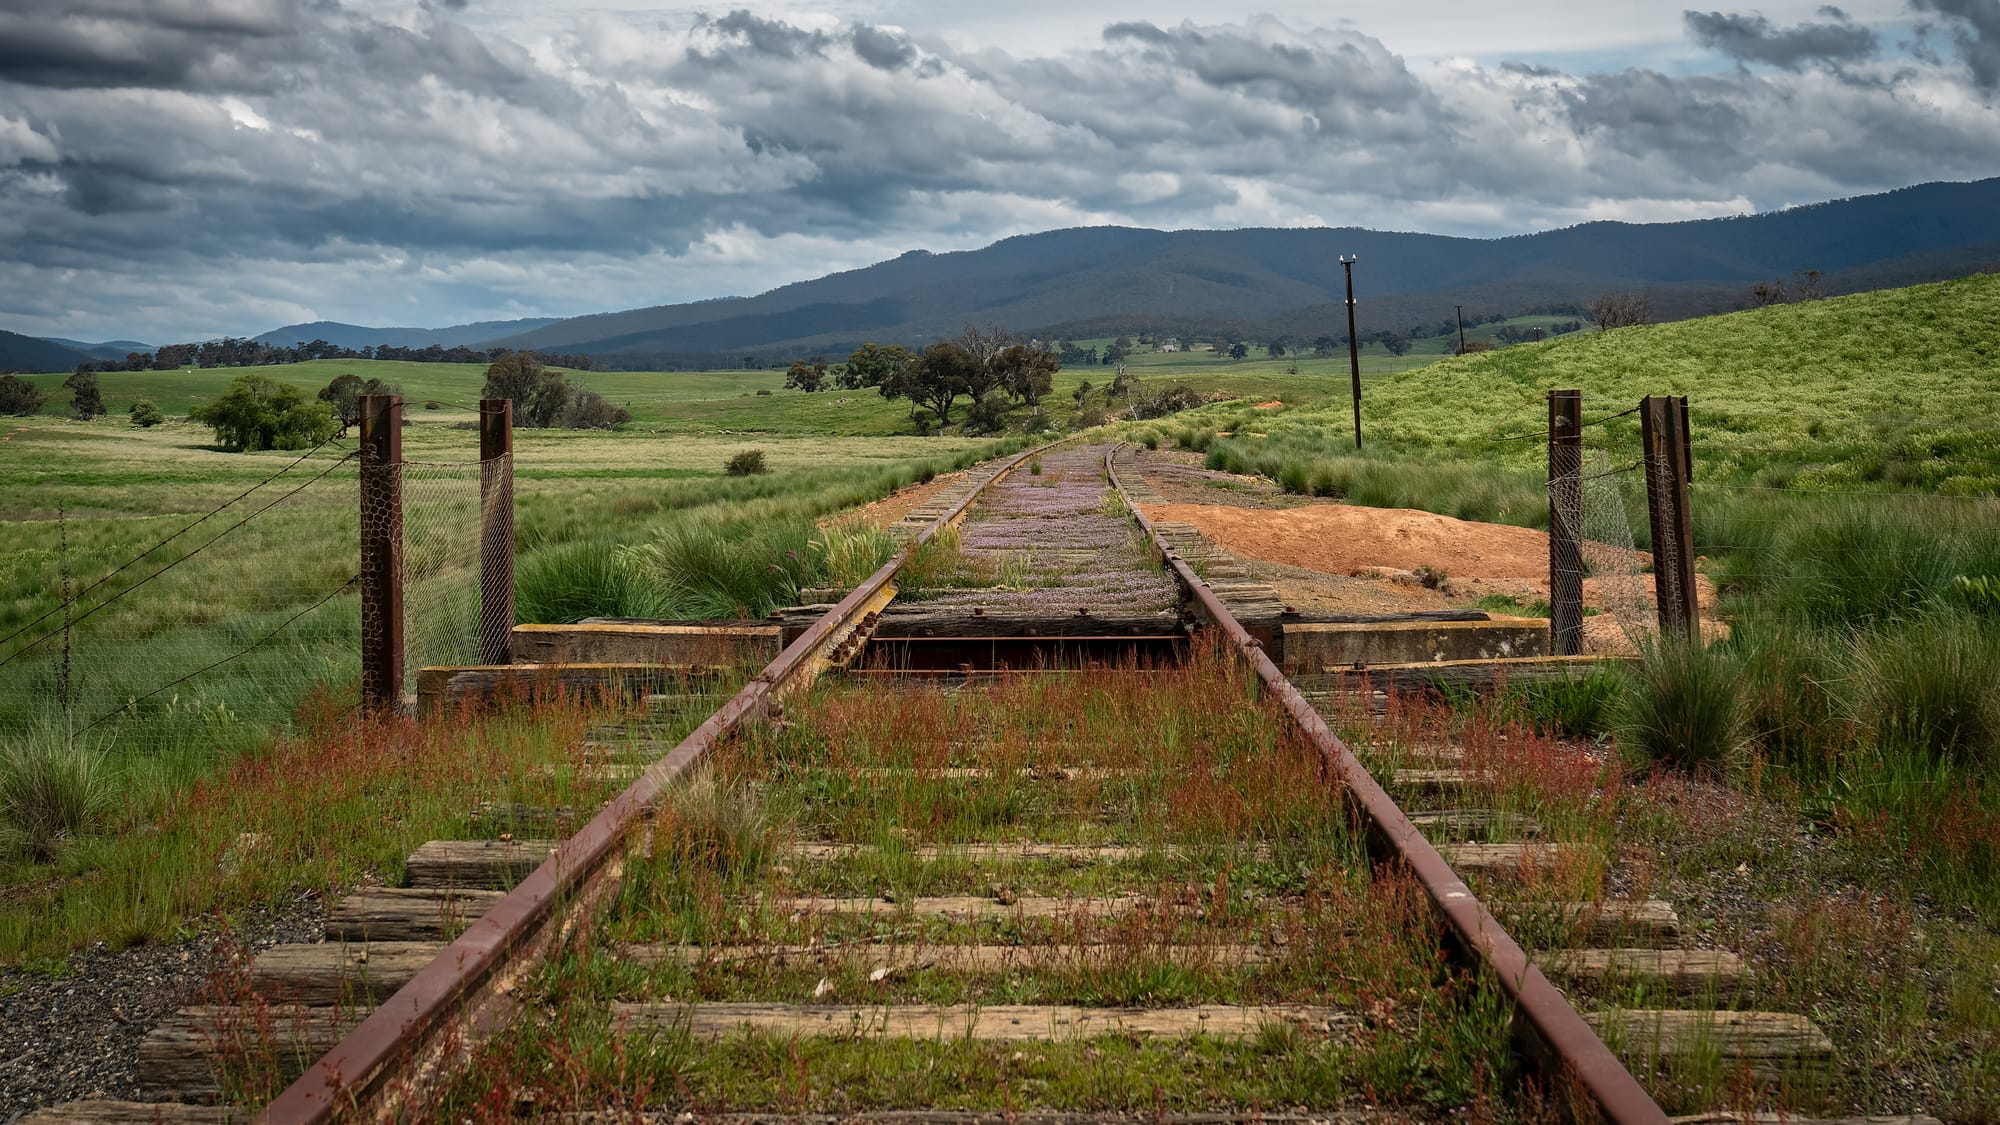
x=1570, y=1045
x=416, y=1038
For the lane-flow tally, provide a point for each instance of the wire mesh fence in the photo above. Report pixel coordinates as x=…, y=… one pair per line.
x=207, y=631
x=1618, y=603
x=1848, y=521
x=445, y=504
x=184, y=631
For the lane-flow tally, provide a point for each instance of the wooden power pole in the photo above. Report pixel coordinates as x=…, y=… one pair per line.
x=1353, y=345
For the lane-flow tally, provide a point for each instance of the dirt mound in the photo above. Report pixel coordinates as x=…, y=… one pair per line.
x=1339, y=539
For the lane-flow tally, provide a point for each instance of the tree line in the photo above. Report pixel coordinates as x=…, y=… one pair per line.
x=987, y=367
x=232, y=352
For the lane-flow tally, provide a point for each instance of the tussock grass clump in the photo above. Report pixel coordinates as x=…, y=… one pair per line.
x=722, y=829
x=1790, y=680
x=847, y=552
x=54, y=788
x=721, y=571
x=1684, y=709
x=1932, y=688
x=567, y=583
x=936, y=565
x=1581, y=706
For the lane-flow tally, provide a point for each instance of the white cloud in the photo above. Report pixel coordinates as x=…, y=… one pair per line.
x=399, y=160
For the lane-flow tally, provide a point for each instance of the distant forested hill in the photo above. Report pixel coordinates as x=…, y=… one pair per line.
x=1260, y=283
x=29, y=353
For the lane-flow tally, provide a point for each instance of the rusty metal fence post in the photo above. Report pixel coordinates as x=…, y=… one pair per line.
x=1566, y=522
x=1669, y=467
x=496, y=530
x=381, y=551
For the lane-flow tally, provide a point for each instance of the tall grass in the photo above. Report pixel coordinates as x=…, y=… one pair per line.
x=1846, y=561
x=571, y=581
x=727, y=571
x=1932, y=688
x=1684, y=709
x=54, y=788
x=724, y=548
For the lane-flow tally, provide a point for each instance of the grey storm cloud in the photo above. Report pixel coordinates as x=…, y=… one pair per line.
x=264, y=151
x=1752, y=38
x=882, y=49
x=1975, y=29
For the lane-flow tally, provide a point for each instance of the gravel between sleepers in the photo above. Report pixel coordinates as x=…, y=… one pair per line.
x=74, y=1033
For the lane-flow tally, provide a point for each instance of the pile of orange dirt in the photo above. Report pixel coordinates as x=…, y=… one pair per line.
x=1353, y=541
x=1271, y=405
x=901, y=502
x=1342, y=539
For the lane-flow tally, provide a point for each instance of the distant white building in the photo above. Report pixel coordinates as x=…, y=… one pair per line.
x=1170, y=345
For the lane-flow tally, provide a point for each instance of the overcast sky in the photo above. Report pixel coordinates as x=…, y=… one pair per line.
x=178, y=169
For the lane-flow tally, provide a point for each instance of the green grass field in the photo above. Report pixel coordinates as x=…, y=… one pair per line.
x=709, y=402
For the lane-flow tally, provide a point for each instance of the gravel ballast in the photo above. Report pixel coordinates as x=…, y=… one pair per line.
x=74, y=1032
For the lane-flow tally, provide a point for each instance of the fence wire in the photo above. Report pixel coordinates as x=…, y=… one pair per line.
x=200, y=632
x=191, y=632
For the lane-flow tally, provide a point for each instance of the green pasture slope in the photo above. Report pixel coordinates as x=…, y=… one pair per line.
x=1894, y=389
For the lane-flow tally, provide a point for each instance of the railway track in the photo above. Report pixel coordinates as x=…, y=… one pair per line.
x=1156, y=885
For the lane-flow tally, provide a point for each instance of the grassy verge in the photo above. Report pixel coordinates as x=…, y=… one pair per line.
x=313, y=811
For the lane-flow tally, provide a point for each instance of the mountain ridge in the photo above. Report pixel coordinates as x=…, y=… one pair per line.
x=1287, y=281
x=359, y=336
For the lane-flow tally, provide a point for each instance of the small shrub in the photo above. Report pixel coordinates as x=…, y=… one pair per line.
x=433, y=405
x=763, y=392
x=1431, y=577
x=748, y=463
x=1035, y=467
x=1932, y=687
x=588, y=410
x=18, y=396
x=987, y=414
x=1167, y=400
x=1151, y=439
x=53, y=789
x=1684, y=709
x=145, y=414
